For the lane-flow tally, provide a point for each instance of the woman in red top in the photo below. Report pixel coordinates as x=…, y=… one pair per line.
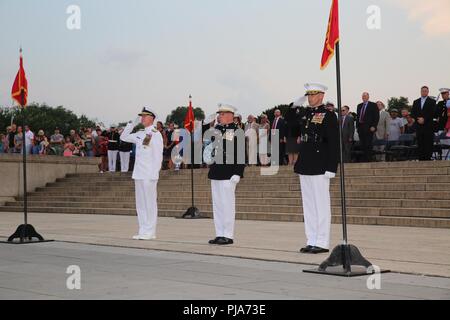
x=102, y=151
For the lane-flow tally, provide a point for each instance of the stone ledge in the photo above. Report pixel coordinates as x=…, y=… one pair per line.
x=49, y=159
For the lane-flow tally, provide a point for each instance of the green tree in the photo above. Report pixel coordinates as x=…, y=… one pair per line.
x=178, y=115
x=398, y=103
x=270, y=112
x=42, y=116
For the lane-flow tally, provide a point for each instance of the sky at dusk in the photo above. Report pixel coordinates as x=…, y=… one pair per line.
x=254, y=54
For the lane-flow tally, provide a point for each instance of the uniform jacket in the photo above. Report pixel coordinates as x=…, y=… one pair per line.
x=225, y=171
x=113, y=141
x=148, y=157
x=320, y=153
x=441, y=116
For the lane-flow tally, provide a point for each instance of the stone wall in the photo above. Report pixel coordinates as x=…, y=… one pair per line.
x=40, y=171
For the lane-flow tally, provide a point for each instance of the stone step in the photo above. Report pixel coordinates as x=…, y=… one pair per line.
x=386, y=195
x=269, y=180
x=349, y=167
x=278, y=209
x=283, y=187
x=129, y=202
x=436, y=167
x=336, y=219
x=181, y=206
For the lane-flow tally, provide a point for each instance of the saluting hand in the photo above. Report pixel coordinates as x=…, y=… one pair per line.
x=136, y=121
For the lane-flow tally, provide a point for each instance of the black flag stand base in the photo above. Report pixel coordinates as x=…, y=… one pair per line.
x=192, y=213
x=346, y=261
x=24, y=234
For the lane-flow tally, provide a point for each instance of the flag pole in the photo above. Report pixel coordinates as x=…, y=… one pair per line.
x=193, y=212
x=24, y=151
x=341, y=147
x=26, y=233
x=344, y=256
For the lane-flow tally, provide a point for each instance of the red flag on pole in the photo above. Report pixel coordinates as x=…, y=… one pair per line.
x=332, y=35
x=189, y=119
x=20, y=87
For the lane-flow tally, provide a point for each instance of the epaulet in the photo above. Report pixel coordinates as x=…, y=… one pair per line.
x=154, y=130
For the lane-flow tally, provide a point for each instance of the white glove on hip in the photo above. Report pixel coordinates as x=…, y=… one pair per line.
x=235, y=179
x=330, y=175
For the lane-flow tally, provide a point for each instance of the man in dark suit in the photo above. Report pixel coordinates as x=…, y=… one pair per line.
x=423, y=112
x=348, y=132
x=280, y=124
x=367, y=123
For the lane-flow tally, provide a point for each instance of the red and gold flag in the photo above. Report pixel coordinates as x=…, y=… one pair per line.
x=332, y=35
x=189, y=119
x=20, y=87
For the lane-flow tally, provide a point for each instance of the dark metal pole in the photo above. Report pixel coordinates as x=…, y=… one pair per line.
x=24, y=148
x=341, y=148
x=192, y=164
x=25, y=232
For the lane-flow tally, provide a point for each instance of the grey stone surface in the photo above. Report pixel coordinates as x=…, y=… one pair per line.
x=38, y=271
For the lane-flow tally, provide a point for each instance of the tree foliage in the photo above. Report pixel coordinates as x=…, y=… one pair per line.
x=42, y=116
x=398, y=103
x=270, y=112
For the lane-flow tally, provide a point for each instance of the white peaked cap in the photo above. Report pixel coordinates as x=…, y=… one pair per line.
x=226, y=108
x=315, y=88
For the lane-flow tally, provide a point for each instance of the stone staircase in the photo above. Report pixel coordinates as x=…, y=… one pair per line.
x=410, y=194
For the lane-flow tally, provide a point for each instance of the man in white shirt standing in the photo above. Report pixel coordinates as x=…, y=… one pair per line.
x=149, y=156
x=29, y=137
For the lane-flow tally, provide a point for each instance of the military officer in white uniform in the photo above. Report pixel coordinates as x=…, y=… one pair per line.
x=225, y=176
x=317, y=164
x=148, y=160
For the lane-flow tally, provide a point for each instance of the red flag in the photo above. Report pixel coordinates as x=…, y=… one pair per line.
x=189, y=119
x=332, y=35
x=20, y=87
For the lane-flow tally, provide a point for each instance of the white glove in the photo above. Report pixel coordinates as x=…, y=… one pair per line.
x=235, y=179
x=136, y=121
x=330, y=175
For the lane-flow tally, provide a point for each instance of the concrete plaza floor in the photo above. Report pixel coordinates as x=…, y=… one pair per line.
x=38, y=271
x=263, y=264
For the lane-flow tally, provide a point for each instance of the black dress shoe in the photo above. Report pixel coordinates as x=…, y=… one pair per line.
x=317, y=250
x=214, y=241
x=224, y=241
x=306, y=249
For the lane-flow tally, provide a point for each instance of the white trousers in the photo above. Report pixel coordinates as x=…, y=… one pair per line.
x=112, y=160
x=124, y=161
x=146, y=206
x=316, y=210
x=224, y=207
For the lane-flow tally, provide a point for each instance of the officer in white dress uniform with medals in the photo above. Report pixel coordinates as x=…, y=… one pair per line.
x=317, y=164
x=224, y=178
x=149, y=156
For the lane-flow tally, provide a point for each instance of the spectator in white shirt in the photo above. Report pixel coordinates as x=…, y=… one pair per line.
x=396, y=128
x=29, y=139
